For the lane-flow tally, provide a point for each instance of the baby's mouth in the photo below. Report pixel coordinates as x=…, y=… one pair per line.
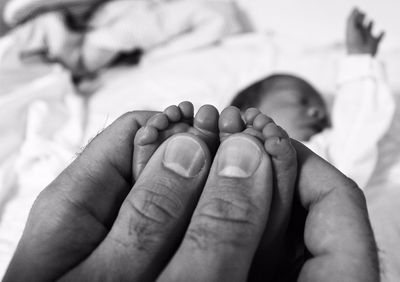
x=310, y=130
x=316, y=127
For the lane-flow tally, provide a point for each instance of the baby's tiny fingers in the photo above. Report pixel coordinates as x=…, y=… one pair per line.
x=353, y=15
x=369, y=27
x=380, y=37
x=360, y=18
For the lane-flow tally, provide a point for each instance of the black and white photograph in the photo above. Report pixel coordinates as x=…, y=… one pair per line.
x=200, y=140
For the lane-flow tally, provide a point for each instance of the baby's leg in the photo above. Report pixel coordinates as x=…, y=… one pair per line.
x=284, y=161
x=174, y=119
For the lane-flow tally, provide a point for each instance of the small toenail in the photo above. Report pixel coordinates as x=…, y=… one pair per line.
x=239, y=157
x=184, y=156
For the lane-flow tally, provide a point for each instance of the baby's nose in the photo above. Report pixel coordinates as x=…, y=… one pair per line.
x=320, y=115
x=317, y=113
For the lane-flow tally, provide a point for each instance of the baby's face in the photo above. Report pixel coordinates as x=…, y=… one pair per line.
x=302, y=114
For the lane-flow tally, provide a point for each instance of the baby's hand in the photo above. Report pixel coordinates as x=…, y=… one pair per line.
x=359, y=37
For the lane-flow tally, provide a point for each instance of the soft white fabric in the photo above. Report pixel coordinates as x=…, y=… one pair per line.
x=46, y=38
x=52, y=135
x=362, y=113
x=125, y=25
x=18, y=11
x=121, y=26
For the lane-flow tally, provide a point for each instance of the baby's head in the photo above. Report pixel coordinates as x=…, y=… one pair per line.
x=292, y=102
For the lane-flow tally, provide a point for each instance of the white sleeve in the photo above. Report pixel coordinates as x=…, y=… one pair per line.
x=362, y=113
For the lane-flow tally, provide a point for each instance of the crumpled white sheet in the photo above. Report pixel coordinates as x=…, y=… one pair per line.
x=123, y=26
x=50, y=143
x=41, y=125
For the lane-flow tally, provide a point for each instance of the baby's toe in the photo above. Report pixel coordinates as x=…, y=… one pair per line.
x=187, y=110
x=277, y=142
x=206, y=119
x=173, y=113
x=255, y=123
x=205, y=126
x=281, y=149
x=260, y=121
x=271, y=130
x=158, y=121
x=250, y=115
x=230, y=122
x=145, y=143
x=146, y=135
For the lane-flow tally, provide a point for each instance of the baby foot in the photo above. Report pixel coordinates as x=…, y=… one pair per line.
x=276, y=141
x=174, y=120
x=284, y=162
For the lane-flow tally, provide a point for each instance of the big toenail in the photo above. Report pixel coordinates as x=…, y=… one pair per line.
x=239, y=157
x=184, y=156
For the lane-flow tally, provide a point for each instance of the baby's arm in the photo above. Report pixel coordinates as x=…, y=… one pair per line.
x=363, y=108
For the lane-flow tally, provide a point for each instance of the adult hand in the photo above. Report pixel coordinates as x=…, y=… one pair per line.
x=330, y=237
x=73, y=215
x=90, y=225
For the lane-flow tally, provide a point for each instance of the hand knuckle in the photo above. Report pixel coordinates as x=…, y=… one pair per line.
x=148, y=214
x=236, y=210
x=154, y=205
x=223, y=221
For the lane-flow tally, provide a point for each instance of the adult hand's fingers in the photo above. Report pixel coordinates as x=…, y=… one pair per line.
x=74, y=213
x=230, y=217
x=337, y=232
x=153, y=217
